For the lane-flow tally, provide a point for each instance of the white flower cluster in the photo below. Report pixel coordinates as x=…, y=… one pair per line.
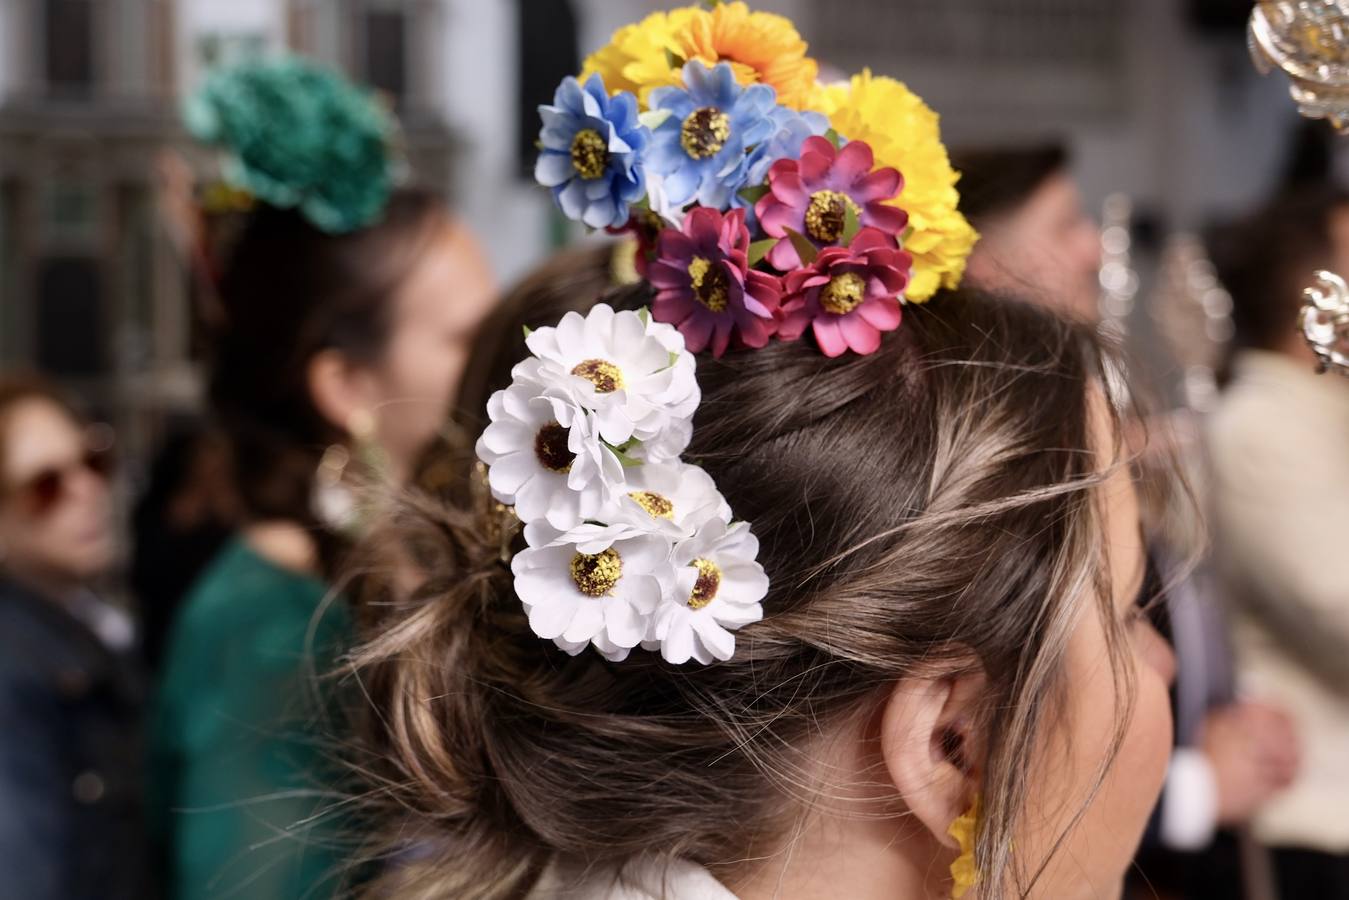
x=627, y=545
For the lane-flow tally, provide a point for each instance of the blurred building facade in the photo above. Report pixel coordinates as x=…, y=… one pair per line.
x=1156, y=106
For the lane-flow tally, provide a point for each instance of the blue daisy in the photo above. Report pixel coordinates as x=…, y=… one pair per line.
x=592, y=152
x=699, y=150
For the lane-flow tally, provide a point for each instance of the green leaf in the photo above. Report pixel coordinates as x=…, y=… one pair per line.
x=754, y=192
x=645, y=315
x=674, y=59
x=851, y=225
x=528, y=331
x=833, y=137
x=674, y=358
x=804, y=248
x=654, y=118
x=759, y=249
x=622, y=453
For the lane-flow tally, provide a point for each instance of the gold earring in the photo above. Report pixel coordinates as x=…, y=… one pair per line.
x=964, y=829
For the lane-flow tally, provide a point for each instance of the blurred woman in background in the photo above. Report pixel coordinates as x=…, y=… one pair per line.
x=70, y=759
x=340, y=347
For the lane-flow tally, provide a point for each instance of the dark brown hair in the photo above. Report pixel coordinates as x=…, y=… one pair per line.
x=1266, y=259
x=998, y=180
x=928, y=501
x=290, y=291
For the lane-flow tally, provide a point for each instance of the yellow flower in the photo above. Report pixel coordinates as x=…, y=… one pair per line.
x=760, y=47
x=904, y=132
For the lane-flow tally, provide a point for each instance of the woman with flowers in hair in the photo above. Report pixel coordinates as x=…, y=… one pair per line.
x=792, y=571
x=347, y=307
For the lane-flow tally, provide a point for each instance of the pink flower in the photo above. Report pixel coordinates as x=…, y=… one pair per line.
x=705, y=287
x=811, y=196
x=848, y=295
x=645, y=226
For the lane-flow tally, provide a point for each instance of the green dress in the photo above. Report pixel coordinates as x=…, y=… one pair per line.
x=244, y=737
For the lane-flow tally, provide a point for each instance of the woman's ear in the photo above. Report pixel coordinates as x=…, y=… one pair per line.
x=341, y=391
x=931, y=745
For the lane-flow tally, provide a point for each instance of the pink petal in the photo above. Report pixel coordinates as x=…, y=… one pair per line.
x=674, y=244
x=818, y=145
x=859, y=334
x=890, y=219
x=815, y=168
x=871, y=239
x=829, y=337
x=854, y=162
x=794, y=320
x=775, y=218
x=665, y=276
x=702, y=226
x=787, y=188
x=783, y=256
x=882, y=314
x=891, y=280
x=721, y=336
x=697, y=330
x=882, y=184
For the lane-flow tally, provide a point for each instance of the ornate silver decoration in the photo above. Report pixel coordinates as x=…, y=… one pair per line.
x=1309, y=41
x=1324, y=321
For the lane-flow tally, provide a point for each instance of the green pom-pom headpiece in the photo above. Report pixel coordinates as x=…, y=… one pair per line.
x=298, y=136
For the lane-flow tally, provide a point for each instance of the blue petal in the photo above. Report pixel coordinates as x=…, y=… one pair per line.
x=724, y=86
x=699, y=81
x=553, y=169
x=594, y=86
x=681, y=185
x=665, y=155
x=572, y=199
x=569, y=96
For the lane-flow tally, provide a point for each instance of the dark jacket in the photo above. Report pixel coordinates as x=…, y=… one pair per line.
x=70, y=759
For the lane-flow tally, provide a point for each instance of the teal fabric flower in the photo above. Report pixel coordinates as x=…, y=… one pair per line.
x=298, y=136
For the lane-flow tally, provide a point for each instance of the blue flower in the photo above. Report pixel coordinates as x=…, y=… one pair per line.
x=298, y=136
x=790, y=130
x=699, y=150
x=592, y=152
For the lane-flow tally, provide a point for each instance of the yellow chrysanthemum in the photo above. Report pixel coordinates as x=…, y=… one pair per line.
x=760, y=47
x=904, y=132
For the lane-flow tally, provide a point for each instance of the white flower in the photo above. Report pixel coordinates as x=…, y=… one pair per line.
x=717, y=588
x=633, y=374
x=659, y=201
x=544, y=457
x=673, y=499
x=595, y=585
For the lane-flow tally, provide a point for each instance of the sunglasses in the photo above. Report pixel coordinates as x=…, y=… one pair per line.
x=41, y=492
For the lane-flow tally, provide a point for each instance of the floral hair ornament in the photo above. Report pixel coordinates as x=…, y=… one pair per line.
x=765, y=204
x=298, y=136
x=627, y=545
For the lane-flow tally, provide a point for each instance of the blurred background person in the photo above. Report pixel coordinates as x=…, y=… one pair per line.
x=344, y=329
x=1035, y=236
x=71, y=825
x=181, y=520
x=1278, y=441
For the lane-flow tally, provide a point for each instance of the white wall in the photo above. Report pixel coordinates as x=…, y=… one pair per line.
x=226, y=18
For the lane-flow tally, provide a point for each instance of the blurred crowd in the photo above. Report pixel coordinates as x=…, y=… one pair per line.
x=194, y=744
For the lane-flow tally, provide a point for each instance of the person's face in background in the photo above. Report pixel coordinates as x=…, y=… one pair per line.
x=436, y=316
x=55, y=509
x=1047, y=250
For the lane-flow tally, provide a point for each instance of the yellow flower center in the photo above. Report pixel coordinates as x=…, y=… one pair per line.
x=550, y=447
x=709, y=284
x=843, y=293
x=705, y=132
x=595, y=574
x=708, y=583
x=589, y=154
x=604, y=375
x=657, y=506
x=826, y=215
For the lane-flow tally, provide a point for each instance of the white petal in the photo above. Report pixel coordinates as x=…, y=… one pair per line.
x=550, y=620
x=719, y=642
x=623, y=625
x=677, y=646
x=587, y=621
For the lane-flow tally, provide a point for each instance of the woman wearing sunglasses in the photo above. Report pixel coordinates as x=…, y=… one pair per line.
x=70, y=810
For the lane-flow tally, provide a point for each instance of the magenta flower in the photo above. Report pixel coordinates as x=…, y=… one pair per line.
x=848, y=295
x=705, y=287
x=810, y=196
